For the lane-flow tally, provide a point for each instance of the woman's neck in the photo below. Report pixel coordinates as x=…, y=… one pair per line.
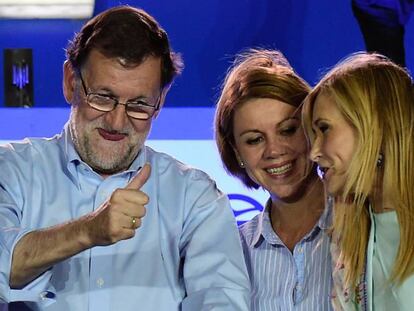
x=293, y=220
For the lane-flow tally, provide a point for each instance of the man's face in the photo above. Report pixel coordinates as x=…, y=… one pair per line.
x=110, y=141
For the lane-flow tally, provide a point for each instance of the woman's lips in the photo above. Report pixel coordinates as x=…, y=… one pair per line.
x=280, y=170
x=111, y=135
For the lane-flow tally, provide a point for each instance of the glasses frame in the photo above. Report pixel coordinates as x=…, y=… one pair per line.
x=117, y=102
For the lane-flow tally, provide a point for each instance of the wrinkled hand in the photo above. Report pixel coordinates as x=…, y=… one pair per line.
x=119, y=217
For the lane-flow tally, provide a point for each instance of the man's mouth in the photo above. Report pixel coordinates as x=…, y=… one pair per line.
x=111, y=135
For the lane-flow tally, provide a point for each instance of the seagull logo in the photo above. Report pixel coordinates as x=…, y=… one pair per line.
x=244, y=207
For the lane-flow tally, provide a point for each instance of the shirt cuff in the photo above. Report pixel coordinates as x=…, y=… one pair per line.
x=39, y=290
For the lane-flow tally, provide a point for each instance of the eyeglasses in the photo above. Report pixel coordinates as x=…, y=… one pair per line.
x=135, y=109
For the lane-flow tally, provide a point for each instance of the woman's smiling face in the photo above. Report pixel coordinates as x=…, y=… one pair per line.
x=270, y=141
x=334, y=145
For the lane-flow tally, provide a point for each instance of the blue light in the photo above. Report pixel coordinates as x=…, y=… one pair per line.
x=20, y=75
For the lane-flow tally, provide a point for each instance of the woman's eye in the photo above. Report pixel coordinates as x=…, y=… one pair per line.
x=289, y=131
x=254, y=141
x=323, y=128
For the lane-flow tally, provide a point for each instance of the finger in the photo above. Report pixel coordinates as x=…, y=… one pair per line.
x=126, y=197
x=135, y=223
x=128, y=234
x=140, y=178
x=130, y=222
x=137, y=211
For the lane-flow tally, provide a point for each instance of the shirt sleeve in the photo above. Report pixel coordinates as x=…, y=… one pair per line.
x=39, y=289
x=214, y=270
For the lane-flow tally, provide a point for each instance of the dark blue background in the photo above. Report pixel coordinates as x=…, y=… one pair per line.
x=314, y=35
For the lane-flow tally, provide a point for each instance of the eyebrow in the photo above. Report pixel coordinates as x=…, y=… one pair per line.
x=317, y=121
x=107, y=92
x=278, y=125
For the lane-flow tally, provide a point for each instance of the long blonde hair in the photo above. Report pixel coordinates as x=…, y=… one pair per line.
x=377, y=98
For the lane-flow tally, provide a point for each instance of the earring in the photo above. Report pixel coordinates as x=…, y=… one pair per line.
x=241, y=164
x=380, y=160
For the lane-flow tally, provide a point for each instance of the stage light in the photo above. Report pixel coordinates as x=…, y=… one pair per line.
x=18, y=77
x=28, y=9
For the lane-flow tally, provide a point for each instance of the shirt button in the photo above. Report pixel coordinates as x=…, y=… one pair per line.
x=100, y=282
x=300, y=249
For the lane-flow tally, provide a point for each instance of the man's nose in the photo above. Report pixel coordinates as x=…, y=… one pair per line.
x=117, y=118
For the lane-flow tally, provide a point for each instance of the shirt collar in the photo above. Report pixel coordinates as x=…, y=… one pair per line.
x=70, y=157
x=323, y=223
x=67, y=145
x=257, y=234
x=264, y=230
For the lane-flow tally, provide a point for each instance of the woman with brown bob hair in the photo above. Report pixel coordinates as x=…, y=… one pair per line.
x=262, y=143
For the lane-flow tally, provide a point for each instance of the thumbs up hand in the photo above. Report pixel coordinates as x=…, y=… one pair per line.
x=118, y=217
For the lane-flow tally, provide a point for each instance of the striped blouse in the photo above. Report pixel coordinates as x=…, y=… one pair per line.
x=282, y=280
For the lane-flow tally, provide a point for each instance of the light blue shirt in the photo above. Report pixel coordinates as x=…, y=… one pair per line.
x=383, y=246
x=282, y=280
x=185, y=256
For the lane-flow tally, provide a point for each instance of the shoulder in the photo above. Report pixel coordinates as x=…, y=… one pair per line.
x=188, y=185
x=28, y=150
x=166, y=165
x=24, y=162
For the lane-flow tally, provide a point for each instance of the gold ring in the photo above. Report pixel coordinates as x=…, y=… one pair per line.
x=134, y=221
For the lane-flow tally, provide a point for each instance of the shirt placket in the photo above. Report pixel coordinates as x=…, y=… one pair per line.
x=299, y=259
x=101, y=257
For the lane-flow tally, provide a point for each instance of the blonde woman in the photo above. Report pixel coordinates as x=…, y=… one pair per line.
x=360, y=119
x=261, y=142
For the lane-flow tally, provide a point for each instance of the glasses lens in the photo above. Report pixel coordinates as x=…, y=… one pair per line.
x=100, y=102
x=139, y=111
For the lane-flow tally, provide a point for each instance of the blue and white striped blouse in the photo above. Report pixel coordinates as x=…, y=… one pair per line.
x=282, y=280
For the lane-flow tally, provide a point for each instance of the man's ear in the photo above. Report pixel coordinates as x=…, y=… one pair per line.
x=162, y=100
x=69, y=82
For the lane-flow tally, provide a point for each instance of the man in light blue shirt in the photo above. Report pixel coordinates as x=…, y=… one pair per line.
x=92, y=219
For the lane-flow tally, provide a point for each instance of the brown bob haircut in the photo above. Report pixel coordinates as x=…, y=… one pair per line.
x=129, y=34
x=256, y=73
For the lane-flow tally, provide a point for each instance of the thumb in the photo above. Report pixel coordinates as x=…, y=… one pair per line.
x=140, y=178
